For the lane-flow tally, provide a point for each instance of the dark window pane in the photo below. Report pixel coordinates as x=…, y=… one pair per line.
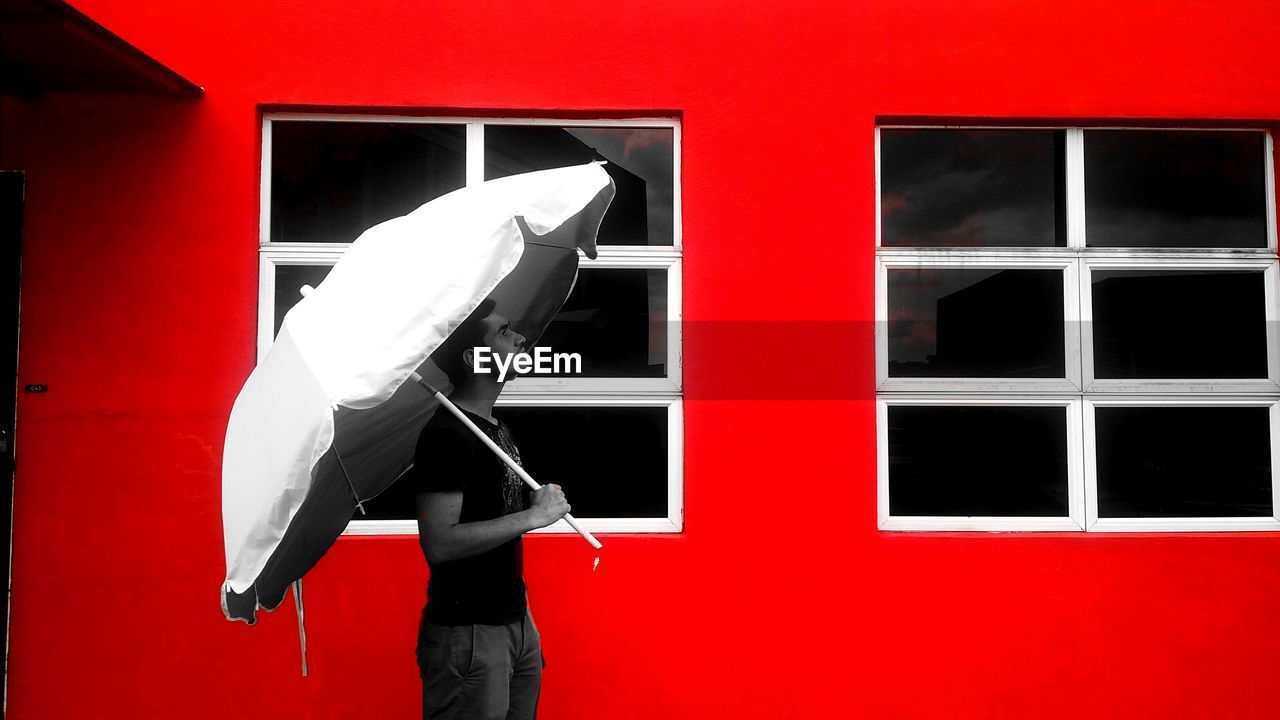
x=1184, y=324
x=289, y=282
x=978, y=461
x=331, y=181
x=972, y=188
x=1174, y=189
x=641, y=163
x=616, y=319
x=1184, y=462
x=976, y=323
x=611, y=461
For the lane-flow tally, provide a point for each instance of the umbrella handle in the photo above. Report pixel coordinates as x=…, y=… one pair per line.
x=444, y=401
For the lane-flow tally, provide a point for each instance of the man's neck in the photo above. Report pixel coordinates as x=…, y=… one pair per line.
x=477, y=396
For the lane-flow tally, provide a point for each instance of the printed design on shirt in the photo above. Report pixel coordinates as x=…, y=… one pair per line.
x=512, y=484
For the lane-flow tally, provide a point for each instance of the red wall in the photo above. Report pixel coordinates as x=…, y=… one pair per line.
x=781, y=599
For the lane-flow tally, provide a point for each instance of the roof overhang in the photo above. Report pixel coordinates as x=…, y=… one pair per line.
x=49, y=46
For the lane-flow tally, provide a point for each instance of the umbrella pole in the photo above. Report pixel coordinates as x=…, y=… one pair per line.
x=446, y=402
x=302, y=629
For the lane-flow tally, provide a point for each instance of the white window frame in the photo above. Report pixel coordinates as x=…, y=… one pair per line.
x=986, y=261
x=1073, y=521
x=1268, y=269
x=532, y=391
x=1096, y=524
x=1079, y=391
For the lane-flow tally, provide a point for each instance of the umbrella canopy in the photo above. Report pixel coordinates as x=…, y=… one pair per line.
x=327, y=420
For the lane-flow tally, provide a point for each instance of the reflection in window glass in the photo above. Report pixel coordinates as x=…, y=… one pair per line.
x=972, y=188
x=616, y=319
x=976, y=323
x=331, y=181
x=1183, y=462
x=611, y=461
x=641, y=162
x=1179, y=324
x=978, y=461
x=289, y=282
x=1146, y=188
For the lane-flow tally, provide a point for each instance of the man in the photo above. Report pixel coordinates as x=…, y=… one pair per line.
x=478, y=650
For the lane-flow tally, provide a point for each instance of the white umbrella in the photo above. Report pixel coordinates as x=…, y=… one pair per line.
x=352, y=343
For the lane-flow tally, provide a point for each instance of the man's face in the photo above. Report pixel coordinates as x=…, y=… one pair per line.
x=501, y=339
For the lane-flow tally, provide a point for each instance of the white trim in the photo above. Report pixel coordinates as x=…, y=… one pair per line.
x=1275, y=458
x=266, y=306
x=674, y=522
x=1188, y=262
x=978, y=385
x=1269, y=182
x=532, y=386
x=974, y=261
x=302, y=253
x=577, y=388
x=474, y=156
x=264, y=185
x=1070, y=382
x=624, y=256
x=943, y=126
x=1075, y=179
x=1267, y=385
x=1143, y=525
x=677, y=186
x=675, y=464
x=529, y=391
x=879, y=192
x=1270, y=277
x=513, y=119
x=1227, y=254
x=1094, y=523
x=925, y=523
x=882, y=463
x=880, y=328
x=1078, y=261
x=655, y=256
x=675, y=324
x=1084, y=285
x=1074, y=521
x=1090, y=426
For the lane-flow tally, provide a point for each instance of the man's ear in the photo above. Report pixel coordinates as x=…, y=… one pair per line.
x=469, y=357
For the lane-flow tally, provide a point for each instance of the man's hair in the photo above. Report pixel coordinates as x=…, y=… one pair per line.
x=468, y=334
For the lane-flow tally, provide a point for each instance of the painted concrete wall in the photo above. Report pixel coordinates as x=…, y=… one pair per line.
x=781, y=599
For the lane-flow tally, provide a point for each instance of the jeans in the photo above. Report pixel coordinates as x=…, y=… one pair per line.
x=480, y=672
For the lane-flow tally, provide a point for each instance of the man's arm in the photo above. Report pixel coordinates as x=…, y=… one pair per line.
x=443, y=538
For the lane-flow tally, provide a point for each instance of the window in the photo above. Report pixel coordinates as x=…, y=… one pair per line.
x=327, y=178
x=1076, y=330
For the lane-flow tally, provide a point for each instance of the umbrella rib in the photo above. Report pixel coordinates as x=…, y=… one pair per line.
x=550, y=245
x=351, y=485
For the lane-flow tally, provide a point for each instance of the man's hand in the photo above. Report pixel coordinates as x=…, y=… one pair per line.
x=548, y=506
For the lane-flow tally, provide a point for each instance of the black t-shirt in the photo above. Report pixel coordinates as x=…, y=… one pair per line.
x=486, y=589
